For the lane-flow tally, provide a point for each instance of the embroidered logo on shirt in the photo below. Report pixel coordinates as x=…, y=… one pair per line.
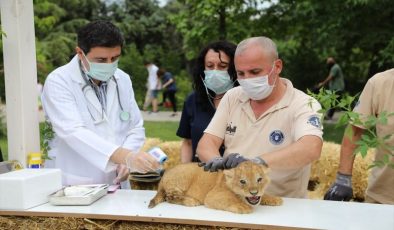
x=230, y=130
x=277, y=137
x=315, y=121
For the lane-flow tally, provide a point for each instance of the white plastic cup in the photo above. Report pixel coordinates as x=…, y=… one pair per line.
x=157, y=153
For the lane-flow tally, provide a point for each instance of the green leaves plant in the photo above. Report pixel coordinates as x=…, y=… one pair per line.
x=48, y=135
x=328, y=99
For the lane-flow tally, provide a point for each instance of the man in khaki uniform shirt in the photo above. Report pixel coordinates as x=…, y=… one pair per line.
x=376, y=98
x=266, y=118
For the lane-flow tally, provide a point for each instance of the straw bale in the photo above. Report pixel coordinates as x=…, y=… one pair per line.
x=151, y=142
x=324, y=171
x=66, y=223
x=171, y=148
x=173, y=151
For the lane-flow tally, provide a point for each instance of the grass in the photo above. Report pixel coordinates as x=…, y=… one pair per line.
x=166, y=131
x=333, y=134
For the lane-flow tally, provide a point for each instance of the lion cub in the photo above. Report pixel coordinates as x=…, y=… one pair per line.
x=235, y=190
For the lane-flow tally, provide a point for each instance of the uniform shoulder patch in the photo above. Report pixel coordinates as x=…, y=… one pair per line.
x=315, y=121
x=277, y=137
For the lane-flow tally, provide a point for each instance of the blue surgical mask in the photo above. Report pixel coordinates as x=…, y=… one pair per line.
x=101, y=71
x=218, y=81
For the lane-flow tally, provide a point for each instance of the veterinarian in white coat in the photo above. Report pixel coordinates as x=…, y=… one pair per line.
x=91, y=106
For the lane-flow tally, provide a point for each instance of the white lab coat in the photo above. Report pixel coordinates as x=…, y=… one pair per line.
x=82, y=146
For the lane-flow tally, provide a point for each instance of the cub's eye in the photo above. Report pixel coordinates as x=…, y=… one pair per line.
x=242, y=181
x=259, y=179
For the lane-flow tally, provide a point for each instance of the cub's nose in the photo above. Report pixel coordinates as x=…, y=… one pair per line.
x=253, y=192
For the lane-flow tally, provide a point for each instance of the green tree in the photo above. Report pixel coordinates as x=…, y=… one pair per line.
x=355, y=32
x=149, y=36
x=358, y=33
x=56, y=24
x=200, y=22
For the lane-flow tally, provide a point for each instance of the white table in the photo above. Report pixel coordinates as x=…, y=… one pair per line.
x=294, y=213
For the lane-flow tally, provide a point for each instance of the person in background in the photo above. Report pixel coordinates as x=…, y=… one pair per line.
x=153, y=87
x=375, y=99
x=169, y=88
x=213, y=75
x=335, y=82
x=265, y=120
x=90, y=105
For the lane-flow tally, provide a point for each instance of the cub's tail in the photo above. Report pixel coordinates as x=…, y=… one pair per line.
x=160, y=197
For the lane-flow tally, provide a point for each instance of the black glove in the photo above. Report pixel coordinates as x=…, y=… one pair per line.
x=341, y=190
x=213, y=165
x=232, y=160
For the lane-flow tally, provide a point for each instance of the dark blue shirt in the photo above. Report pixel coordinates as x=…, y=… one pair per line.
x=195, y=119
x=166, y=77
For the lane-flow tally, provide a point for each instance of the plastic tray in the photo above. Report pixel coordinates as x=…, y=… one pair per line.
x=96, y=192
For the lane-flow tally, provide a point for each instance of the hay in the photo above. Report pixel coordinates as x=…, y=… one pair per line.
x=171, y=148
x=66, y=223
x=324, y=171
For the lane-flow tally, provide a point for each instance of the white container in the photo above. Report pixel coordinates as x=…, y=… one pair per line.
x=27, y=188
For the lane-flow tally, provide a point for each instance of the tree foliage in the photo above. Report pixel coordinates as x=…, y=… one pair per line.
x=201, y=22
x=358, y=33
x=355, y=32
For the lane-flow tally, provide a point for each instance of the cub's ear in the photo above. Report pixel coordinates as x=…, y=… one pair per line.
x=229, y=173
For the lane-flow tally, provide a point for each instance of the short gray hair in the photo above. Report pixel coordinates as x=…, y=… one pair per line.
x=264, y=42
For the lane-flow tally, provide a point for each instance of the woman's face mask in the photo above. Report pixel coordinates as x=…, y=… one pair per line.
x=101, y=71
x=257, y=88
x=218, y=81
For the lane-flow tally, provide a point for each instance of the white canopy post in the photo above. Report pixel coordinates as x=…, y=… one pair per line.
x=17, y=21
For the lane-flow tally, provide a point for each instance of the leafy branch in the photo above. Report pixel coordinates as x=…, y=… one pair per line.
x=48, y=135
x=329, y=99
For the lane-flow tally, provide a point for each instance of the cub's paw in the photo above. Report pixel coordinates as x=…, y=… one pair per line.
x=240, y=208
x=189, y=201
x=271, y=200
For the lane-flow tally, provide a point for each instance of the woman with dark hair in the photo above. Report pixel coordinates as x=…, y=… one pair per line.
x=214, y=74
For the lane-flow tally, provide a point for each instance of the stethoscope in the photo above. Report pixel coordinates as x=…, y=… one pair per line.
x=124, y=115
x=210, y=97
